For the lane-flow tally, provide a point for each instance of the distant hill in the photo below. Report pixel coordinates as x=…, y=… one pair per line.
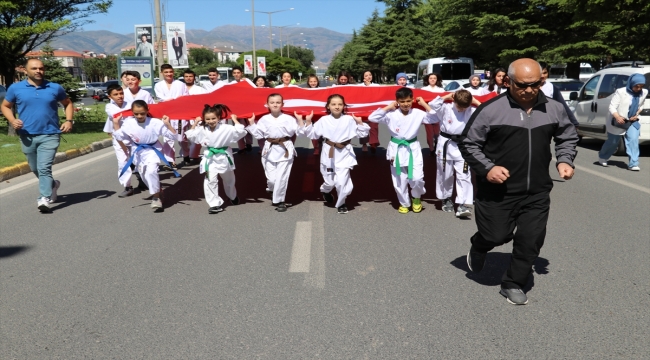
x=324, y=42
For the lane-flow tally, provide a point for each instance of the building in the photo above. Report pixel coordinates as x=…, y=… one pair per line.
x=70, y=60
x=226, y=54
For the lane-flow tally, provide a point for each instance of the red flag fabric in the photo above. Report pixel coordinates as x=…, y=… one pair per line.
x=244, y=100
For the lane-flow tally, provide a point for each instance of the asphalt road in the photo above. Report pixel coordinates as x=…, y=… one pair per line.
x=106, y=278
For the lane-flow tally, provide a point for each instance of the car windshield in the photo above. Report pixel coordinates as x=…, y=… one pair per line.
x=453, y=71
x=568, y=85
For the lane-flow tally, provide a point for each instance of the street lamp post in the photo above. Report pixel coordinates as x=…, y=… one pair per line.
x=282, y=27
x=270, y=25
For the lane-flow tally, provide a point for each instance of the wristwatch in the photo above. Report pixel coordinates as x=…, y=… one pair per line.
x=72, y=121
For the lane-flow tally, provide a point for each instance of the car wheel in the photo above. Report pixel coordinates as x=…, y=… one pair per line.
x=620, y=150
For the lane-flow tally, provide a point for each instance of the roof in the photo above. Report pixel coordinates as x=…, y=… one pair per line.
x=57, y=53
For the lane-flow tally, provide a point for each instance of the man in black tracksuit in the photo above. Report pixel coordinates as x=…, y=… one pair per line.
x=507, y=144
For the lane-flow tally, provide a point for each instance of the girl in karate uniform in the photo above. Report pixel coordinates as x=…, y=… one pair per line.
x=142, y=132
x=216, y=137
x=278, y=152
x=434, y=84
x=337, y=158
x=373, y=136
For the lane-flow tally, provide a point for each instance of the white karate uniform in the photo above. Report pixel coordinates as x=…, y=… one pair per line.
x=210, y=87
x=142, y=94
x=248, y=139
x=405, y=127
x=112, y=109
x=547, y=89
x=452, y=122
x=478, y=92
x=164, y=93
x=336, y=171
x=276, y=167
x=218, y=164
x=146, y=160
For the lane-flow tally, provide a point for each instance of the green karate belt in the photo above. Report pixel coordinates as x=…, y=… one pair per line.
x=398, y=164
x=214, y=151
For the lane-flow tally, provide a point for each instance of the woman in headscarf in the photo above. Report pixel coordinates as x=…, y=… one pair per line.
x=475, y=86
x=402, y=80
x=625, y=107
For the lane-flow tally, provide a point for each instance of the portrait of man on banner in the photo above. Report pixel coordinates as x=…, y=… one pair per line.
x=177, y=45
x=144, y=41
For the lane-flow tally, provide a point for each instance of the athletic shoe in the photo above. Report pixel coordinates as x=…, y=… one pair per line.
x=328, y=197
x=156, y=204
x=215, y=210
x=142, y=186
x=514, y=296
x=269, y=191
x=282, y=207
x=343, y=209
x=249, y=147
x=447, y=205
x=475, y=260
x=403, y=210
x=463, y=212
x=128, y=191
x=56, y=186
x=44, y=205
x=417, y=205
x=634, y=168
x=235, y=201
x=602, y=162
x=186, y=161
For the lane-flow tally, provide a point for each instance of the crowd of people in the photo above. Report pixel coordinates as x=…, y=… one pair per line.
x=504, y=142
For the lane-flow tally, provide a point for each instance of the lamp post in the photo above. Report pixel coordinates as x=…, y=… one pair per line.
x=252, y=11
x=288, y=48
x=269, y=13
x=282, y=27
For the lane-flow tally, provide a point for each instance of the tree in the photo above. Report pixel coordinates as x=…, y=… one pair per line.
x=304, y=56
x=275, y=65
x=56, y=73
x=98, y=68
x=127, y=53
x=201, y=56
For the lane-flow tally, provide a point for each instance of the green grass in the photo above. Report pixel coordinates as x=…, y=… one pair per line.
x=11, y=153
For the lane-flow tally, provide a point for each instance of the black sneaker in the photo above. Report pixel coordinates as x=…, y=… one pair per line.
x=343, y=209
x=186, y=160
x=215, y=210
x=328, y=197
x=249, y=147
x=128, y=191
x=235, y=201
x=475, y=260
x=514, y=296
x=282, y=207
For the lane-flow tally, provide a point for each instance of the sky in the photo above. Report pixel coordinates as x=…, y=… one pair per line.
x=338, y=15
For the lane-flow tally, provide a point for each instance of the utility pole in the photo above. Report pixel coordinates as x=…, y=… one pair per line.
x=253, y=23
x=160, y=59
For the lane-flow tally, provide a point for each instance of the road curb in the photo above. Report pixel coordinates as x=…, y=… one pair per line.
x=9, y=172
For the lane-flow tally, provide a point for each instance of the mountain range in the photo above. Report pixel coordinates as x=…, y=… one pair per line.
x=323, y=41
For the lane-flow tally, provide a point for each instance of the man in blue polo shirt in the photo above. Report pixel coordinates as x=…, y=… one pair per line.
x=38, y=125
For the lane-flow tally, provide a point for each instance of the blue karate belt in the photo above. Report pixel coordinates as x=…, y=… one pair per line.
x=147, y=146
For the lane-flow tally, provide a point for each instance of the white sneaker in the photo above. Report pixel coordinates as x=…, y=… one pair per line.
x=602, y=162
x=44, y=205
x=57, y=185
x=634, y=168
x=463, y=212
x=156, y=204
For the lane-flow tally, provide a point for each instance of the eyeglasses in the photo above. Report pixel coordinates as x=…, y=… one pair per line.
x=532, y=85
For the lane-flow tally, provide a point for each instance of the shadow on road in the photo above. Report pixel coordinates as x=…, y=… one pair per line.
x=496, y=264
x=9, y=251
x=65, y=200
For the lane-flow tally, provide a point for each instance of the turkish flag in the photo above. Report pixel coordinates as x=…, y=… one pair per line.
x=244, y=100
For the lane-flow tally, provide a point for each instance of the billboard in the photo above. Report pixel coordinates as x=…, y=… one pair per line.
x=261, y=66
x=248, y=64
x=143, y=65
x=144, y=41
x=176, y=44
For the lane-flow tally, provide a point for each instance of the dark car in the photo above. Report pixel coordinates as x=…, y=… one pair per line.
x=105, y=85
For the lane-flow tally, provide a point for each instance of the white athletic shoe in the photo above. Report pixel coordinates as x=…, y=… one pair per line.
x=44, y=205
x=463, y=212
x=57, y=185
x=156, y=204
x=602, y=162
x=635, y=168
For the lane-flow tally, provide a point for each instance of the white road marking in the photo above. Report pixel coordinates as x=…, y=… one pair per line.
x=316, y=276
x=301, y=251
x=55, y=173
x=613, y=179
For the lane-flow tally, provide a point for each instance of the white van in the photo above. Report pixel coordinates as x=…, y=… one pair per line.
x=559, y=71
x=592, y=103
x=449, y=68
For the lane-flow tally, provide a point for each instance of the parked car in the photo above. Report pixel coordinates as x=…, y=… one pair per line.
x=454, y=85
x=93, y=88
x=105, y=85
x=566, y=86
x=593, y=99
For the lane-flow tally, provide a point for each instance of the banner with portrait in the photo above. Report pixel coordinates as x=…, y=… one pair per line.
x=261, y=66
x=177, y=44
x=144, y=41
x=248, y=64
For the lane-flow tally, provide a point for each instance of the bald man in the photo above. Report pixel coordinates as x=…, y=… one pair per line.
x=507, y=144
x=38, y=126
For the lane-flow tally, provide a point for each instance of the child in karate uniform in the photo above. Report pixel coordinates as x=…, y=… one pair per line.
x=337, y=158
x=404, y=150
x=278, y=153
x=133, y=90
x=143, y=132
x=170, y=89
x=217, y=160
x=453, y=117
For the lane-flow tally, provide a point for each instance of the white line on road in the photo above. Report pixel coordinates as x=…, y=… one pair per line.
x=55, y=173
x=613, y=179
x=316, y=276
x=301, y=251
